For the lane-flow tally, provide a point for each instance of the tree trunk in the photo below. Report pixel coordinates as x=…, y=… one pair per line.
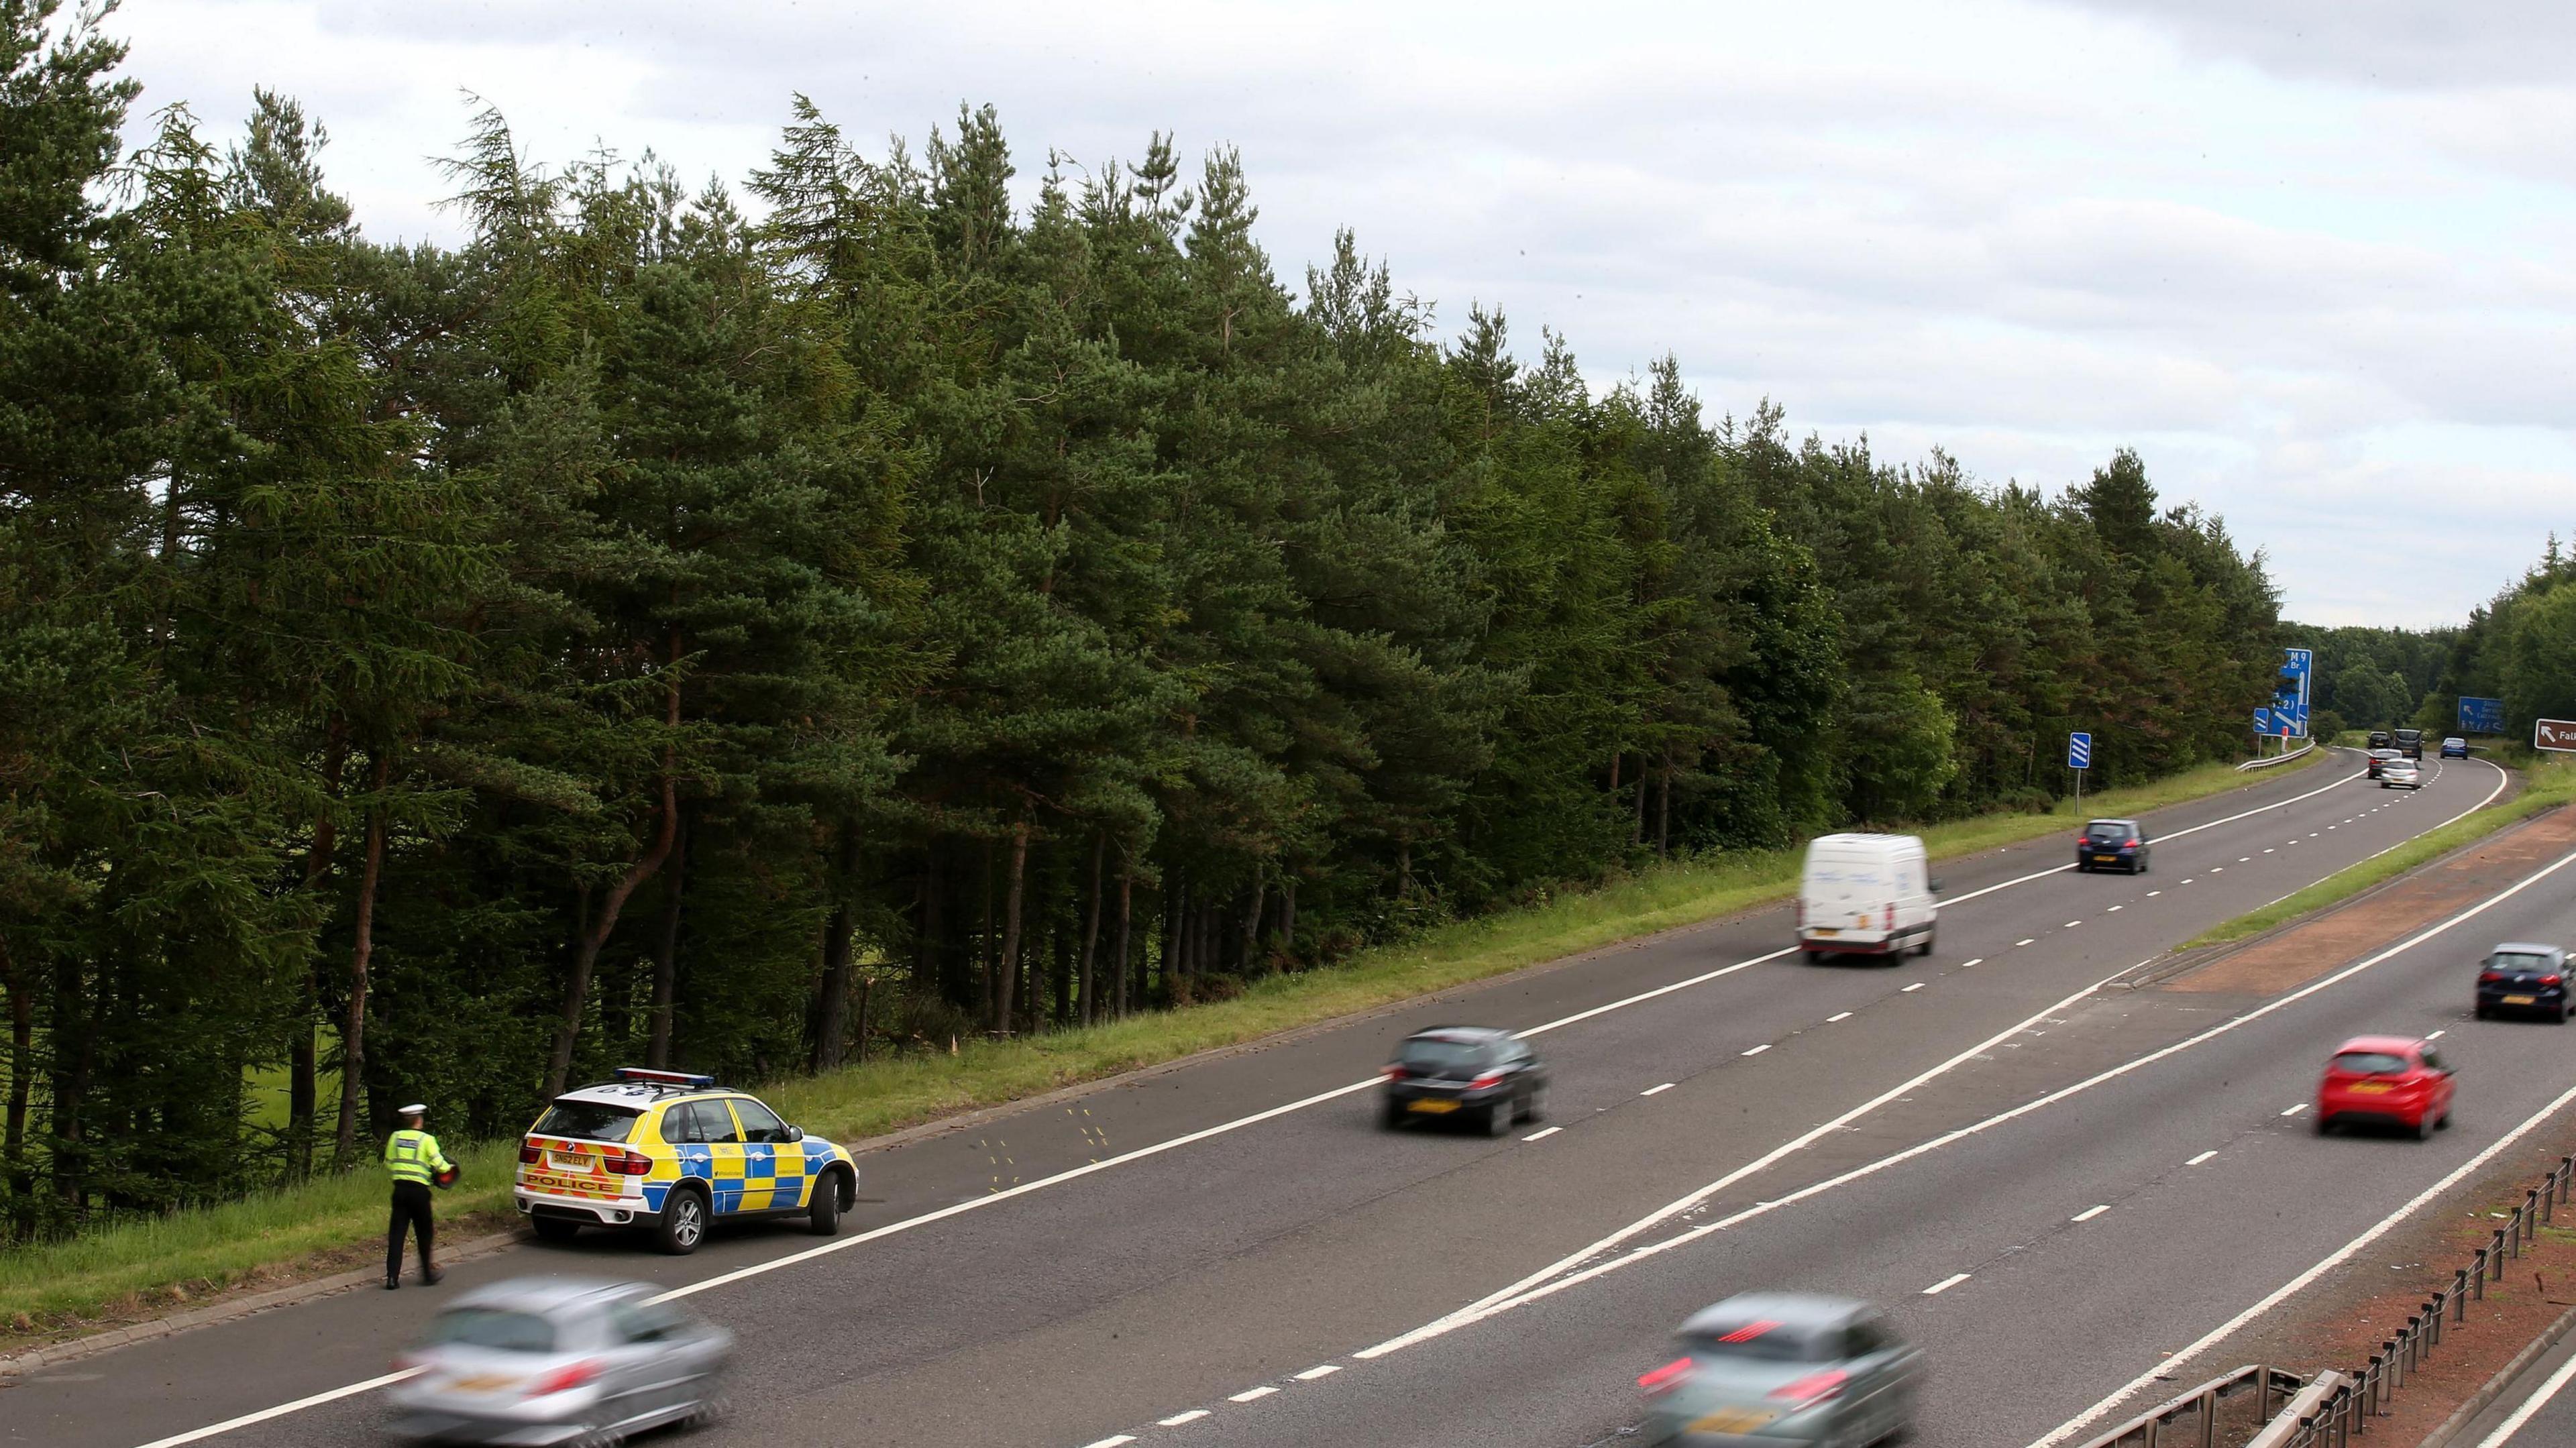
x=577, y=990
x=1288, y=914
x=832, y=1001
x=925, y=941
x=353, y=1021
x=666, y=952
x=1664, y=809
x=984, y=935
x=1010, y=973
x=1060, y=950
x=1091, y=933
x=867, y=988
x=1126, y=902
x=1637, y=827
x=22, y=1074
x=1252, y=924
x=78, y=1015
x=303, y=1059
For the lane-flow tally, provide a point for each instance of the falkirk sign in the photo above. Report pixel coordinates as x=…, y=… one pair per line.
x=2554, y=734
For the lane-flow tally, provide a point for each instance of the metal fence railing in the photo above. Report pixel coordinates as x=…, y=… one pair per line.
x=2192, y=1417
x=2277, y=759
x=2345, y=1413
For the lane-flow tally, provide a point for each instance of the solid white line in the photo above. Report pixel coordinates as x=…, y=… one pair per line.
x=2332, y=1260
x=1250, y=1395
x=2531, y=1406
x=1838, y=1016
x=2089, y=1213
x=281, y=1410
x=1945, y=1284
x=2295, y=1110
x=1656, y=1090
x=1758, y=1050
x=1177, y=1419
x=1543, y=1133
x=1547, y=1282
x=1918, y=985
x=1310, y=1374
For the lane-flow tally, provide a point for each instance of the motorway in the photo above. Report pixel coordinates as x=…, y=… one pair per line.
x=2052, y=1183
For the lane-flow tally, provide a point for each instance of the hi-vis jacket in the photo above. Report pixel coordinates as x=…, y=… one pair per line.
x=413, y=1156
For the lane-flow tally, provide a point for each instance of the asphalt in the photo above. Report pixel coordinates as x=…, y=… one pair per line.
x=1161, y=1284
x=2537, y=1411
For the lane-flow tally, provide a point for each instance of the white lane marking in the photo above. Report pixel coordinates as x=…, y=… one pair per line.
x=1918, y=985
x=2187, y=882
x=2295, y=1110
x=1112, y=1442
x=1252, y=1395
x=2268, y=850
x=1547, y=1283
x=2248, y=859
x=1310, y=1374
x=2437, y=1035
x=1758, y=1050
x=2151, y=894
x=2089, y=1213
x=2118, y=907
x=1838, y=1016
x=2020, y=943
x=1980, y=960
x=1656, y=1090
x=1177, y=1419
x=1509, y=1296
x=1543, y=1133
x=2215, y=870
x=2332, y=1260
x=1186, y=1139
x=2531, y=1406
x=2071, y=924
x=281, y=1410
x=1945, y=1284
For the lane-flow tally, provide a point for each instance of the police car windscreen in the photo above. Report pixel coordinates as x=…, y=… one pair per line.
x=588, y=1120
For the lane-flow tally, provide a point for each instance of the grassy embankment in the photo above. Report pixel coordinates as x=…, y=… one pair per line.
x=2545, y=785
x=141, y=1268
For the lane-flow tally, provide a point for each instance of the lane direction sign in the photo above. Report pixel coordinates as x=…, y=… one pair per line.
x=2079, y=751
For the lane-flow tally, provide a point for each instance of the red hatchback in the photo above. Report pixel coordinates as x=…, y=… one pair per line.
x=2389, y=1080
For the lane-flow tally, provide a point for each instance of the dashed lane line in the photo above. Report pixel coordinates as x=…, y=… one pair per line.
x=2089, y=1213
x=1543, y=1133
x=2197, y=1160
x=1945, y=1284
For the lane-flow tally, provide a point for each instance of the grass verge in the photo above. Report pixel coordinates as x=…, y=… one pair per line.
x=140, y=1269
x=2545, y=787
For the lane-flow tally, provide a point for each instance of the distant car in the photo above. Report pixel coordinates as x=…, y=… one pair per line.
x=671, y=1153
x=2379, y=739
x=2409, y=742
x=2112, y=845
x=2387, y=1080
x=2401, y=774
x=556, y=1360
x=1486, y=1075
x=1782, y=1368
x=2379, y=760
x=2455, y=748
x=2525, y=978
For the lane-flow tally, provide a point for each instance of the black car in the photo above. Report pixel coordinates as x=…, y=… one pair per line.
x=1472, y=1071
x=2410, y=742
x=2379, y=739
x=2380, y=757
x=2112, y=845
x=2526, y=978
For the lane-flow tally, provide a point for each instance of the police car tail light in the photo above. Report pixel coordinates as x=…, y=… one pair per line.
x=529, y=1155
x=630, y=1163
x=564, y=1379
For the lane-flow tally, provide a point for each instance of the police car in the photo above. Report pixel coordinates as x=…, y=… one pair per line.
x=670, y=1153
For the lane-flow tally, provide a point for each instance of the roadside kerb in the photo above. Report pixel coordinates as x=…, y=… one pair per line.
x=2503, y=1381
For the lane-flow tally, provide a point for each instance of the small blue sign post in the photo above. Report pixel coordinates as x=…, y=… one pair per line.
x=2079, y=757
x=2262, y=722
x=2481, y=716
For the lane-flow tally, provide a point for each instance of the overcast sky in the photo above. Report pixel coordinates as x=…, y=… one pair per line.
x=2312, y=258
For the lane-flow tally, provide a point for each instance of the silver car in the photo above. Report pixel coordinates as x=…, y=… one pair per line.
x=1769, y=1369
x=2401, y=774
x=558, y=1361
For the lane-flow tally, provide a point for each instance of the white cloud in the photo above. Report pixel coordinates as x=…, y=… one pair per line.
x=2315, y=263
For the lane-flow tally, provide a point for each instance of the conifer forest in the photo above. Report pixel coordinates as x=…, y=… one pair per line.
x=913, y=591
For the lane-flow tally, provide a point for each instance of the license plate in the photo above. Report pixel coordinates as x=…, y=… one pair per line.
x=568, y=1161
x=1825, y=930
x=2106, y=859
x=1734, y=1420
x=1433, y=1108
x=2370, y=1088
x=2522, y=1000
x=484, y=1383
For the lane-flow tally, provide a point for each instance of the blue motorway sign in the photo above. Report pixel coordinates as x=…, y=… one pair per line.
x=2481, y=716
x=2290, y=694
x=2262, y=721
x=2079, y=751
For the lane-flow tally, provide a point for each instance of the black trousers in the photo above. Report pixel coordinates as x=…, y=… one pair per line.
x=411, y=1212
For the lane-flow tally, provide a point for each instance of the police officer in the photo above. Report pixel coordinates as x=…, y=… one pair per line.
x=412, y=1155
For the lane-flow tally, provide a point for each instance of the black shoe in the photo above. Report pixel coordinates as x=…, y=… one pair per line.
x=432, y=1278
x=392, y=1282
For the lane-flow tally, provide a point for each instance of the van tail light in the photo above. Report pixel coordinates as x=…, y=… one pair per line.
x=1490, y=1078
x=1812, y=1389
x=632, y=1163
x=529, y=1155
x=564, y=1379
x=1665, y=1378
x=1891, y=915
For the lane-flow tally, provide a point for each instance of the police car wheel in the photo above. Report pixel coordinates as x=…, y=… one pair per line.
x=823, y=1214
x=555, y=1229
x=684, y=1222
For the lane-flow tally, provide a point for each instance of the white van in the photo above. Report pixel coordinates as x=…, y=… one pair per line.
x=1865, y=895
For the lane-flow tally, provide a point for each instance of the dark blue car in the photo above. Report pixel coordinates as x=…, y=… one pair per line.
x=2455, y=748
x=2520, y=979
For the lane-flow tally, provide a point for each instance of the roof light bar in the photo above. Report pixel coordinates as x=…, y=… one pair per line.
x=668, y=1078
